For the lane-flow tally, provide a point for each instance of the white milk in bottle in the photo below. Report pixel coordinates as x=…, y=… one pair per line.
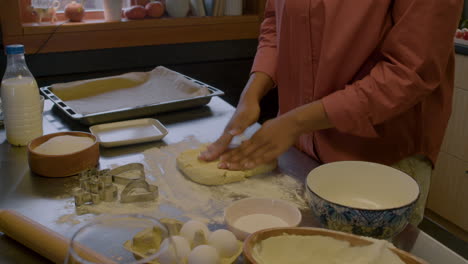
x=20, y=99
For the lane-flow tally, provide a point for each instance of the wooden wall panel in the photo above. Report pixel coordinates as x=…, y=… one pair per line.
x=10, y=18
x=448, y=195
x=456, y=135
x=449, y=187
x=460, y=74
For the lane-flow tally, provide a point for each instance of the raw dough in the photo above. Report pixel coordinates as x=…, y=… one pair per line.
x=208, y=173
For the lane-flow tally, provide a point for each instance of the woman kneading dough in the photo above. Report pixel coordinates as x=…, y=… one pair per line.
x=357, y=80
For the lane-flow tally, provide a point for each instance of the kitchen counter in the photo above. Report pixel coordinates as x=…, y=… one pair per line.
x=43, y=199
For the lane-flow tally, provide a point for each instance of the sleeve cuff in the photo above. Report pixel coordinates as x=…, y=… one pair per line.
x=346, y=110
x=265, y=61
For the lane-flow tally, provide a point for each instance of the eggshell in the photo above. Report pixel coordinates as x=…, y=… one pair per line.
x=225, y=242
x=203, y=254
x=190, y=228
x=166, y=253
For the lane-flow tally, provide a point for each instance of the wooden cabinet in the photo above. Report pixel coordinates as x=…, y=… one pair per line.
x=448, y=196
x=95, y=33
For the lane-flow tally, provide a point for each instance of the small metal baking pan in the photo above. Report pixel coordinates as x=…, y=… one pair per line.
x=134, y=112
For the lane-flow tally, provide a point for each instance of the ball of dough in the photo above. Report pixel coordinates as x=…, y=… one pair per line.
x=167, y=250
x=208, y=173
x=225, y=242
x=190, y=228
x=204, y=254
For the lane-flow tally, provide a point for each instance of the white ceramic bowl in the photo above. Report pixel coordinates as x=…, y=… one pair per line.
x=363, y=198
x=265, y=206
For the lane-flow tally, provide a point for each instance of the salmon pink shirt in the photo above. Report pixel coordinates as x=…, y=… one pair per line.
x=383, y=69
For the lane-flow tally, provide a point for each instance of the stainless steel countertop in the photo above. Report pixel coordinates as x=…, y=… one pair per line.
x=36, y=197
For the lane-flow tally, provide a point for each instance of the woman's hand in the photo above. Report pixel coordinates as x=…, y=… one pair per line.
x=271, y=140
x=275, y=137
x=246, y=114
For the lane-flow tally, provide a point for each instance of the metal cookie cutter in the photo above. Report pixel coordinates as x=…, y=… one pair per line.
x=138, y=191
x=95, y=186
x=81, y=196
x=107, y=191
x=127, y=173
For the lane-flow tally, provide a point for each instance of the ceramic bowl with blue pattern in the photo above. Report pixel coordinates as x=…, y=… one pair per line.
x=362, y=198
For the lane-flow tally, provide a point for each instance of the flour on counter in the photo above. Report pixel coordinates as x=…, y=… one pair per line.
x=206, y=203
x=68, y=218
x=116, y=207
x=183, y=199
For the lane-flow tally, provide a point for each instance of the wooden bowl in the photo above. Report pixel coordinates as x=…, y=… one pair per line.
x=62, y=165
x=354, y=240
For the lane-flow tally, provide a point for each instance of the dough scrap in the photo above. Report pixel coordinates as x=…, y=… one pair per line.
x=208, y=173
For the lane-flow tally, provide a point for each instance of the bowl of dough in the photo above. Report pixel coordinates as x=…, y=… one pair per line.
x=63, y=154
x=318, y=245
x=362, y=198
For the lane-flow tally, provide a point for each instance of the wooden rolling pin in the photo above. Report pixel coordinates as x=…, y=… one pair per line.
x=44, y=241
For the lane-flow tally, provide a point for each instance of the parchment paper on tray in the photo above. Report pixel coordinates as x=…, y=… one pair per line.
x=127, y=90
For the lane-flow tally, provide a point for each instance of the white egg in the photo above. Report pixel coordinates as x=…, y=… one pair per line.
x=189, y=229
x=204, y=254
x=225, y=242
x=167, y=251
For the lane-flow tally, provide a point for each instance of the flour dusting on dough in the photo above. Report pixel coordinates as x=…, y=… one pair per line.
x=208, y=173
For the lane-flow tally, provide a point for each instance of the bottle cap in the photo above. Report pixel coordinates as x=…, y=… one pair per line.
x=14, y=49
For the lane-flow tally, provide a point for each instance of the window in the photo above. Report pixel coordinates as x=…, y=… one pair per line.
x=90, y=5
x=20, y=25
x=94, y=9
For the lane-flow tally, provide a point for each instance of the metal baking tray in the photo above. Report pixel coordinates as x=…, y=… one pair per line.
x=133, y=112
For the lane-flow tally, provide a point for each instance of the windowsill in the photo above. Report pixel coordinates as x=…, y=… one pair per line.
x=99, y=34
x=100, y=24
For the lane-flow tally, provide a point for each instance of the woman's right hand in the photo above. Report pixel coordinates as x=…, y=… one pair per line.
x=246, y=114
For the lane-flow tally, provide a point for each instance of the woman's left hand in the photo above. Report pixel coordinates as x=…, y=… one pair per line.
x=271, y=140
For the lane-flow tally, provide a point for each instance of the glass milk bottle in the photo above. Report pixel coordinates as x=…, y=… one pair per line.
x=20, y=99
